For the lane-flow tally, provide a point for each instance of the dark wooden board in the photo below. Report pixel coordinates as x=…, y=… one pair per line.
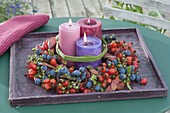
x=23, y=92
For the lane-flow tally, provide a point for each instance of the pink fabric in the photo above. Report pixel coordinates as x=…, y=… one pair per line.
x=14, y=29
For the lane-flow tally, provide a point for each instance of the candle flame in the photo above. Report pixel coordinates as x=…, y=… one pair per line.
x=70, y=22
x=85, y=38
x=88, y=21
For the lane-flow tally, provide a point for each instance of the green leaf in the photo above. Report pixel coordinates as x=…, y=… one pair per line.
x=129, y=87
x=89, y=67
x=138, y=9
x=153, y=13
x=128, y=69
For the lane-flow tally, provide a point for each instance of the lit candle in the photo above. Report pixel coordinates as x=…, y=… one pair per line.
x=91, y=26
x=68, y=34
x=89, y=45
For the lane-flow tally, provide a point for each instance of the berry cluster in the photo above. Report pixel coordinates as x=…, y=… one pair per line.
x=120, y=67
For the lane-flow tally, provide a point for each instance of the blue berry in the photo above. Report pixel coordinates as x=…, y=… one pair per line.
x=63, y=70
x=127, y=52
x=44, y=56
x=84, y=74
x=122, y=76
x=49, y=57
x=122, y=71
x=37, y=81
x=138, y=78
x=38, y=51
x=47, y=72
x=44, y=68
x=52, y=72
x=76, y=73
x=114, y=61
x=132, y=77
x=109, y=63
x=78, y=78
x=44, y=77
x=97, y=88
x=132, y=68
x=89, y=84
x=106, y=36
x=83, y=77
x=82, y=69
x=39, y=63
x=113, y=37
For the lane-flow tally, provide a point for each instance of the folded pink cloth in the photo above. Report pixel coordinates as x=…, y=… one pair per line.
x=14, y=29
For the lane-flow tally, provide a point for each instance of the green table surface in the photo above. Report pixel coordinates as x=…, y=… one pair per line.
x=159, y=46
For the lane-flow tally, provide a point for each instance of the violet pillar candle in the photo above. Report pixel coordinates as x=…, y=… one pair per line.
x=68, y=34
x=89, y=45
x=90, y=26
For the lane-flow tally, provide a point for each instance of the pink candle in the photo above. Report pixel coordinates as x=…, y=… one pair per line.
x=68, y=34
x=91, y=26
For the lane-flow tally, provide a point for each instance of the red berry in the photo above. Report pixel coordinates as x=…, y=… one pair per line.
x=72, y=90
x=46, y=80
x=65, y=83
x=45, y=45
x=113, y=44
x=103, y=69
x=31, y=72
x=111, y=71
x=53, y=62
x=109, y=80
x=101, y=78
x=53, y=81
x=81, y=89
x=104, y=64
x=143, y=81
x=106, y=75
x=47, y=86
x=60, y=92
x=85, y=91
x=103, y=85
x=33, y=66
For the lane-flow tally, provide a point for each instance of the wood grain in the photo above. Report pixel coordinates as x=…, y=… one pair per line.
x=76, y=8
x=59, y=8
x=93, y=8
x=43, y=6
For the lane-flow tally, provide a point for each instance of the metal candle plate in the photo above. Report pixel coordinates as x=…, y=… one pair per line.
x=23, y=92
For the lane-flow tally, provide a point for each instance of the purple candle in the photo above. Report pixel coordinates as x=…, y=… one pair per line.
x=89, y=45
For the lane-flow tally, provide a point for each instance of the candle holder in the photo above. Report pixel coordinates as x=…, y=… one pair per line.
x=87, y=58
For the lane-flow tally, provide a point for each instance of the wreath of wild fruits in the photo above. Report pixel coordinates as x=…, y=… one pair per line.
x=120, y=67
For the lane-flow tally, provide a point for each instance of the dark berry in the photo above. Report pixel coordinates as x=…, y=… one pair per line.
x=44, y=56
x=82, y=69
x=83, y=77
x=97, y=88
x=89, y=84
x=52, y=72
x=113, y=37
x=138, y=78
x=127, y=52
x=122, y=71
x=37, y=81
x=44, y=68
x=122, y=76
x=114, y=61
x=76, y=73
x=132, y=77
x=106, y=37
x=49, y=57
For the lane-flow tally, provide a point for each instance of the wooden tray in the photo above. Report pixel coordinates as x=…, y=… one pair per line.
x=23, y=92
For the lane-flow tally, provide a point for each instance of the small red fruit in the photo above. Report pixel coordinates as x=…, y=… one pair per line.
x=103, y=85
x=106, y=75
x=104, y=64
x=47, y=86
x=143, y=81
x=46, y=80
x=45, y=45
x=53, y=62
x=31, y=72
x=65, y=83
x=85, y=91
x=72, y=90
x=103, y=69
x=113, y=44
x=60, y=92
x=109, y=80
x=53, y=81
x=101, y=78
x=111, y=71
x=33, y=66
